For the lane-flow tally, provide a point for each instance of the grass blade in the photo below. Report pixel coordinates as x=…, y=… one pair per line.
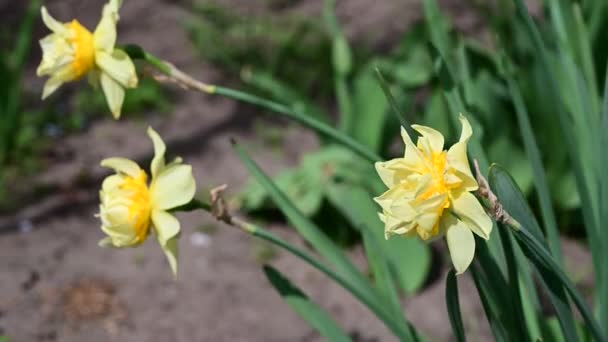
x=514, y=290
x=603, y=285
x=555, y=277
x=451, y=299
x=305, y=120
x=301, y=304
x=323, y=245
x=531, y=241
x=490, y=306
x=540, y=181
x=395, y=108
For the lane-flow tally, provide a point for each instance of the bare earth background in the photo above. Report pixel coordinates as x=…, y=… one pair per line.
x=57, y=285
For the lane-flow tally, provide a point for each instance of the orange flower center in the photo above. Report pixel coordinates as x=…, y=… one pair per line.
x=437, y=169
x=139, y=206
x=84, y=49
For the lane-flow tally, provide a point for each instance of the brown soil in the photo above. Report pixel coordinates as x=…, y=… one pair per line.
x=56, y=284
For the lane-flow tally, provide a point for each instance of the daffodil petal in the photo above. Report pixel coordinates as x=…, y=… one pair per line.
x=166, y=226
x=105, y=242
x=167, y=230
x=171, y=252
x=119, y=66
x=158, y=162
x=470, y=211
x=122, y=165
x=413, y=159
x=461, y=243
x=467, y=131
x=458, y=160
x=115, y=94
x=173, y=186
x=105, y=32
x=50, y=86
x=430, y=139
x=53, y=24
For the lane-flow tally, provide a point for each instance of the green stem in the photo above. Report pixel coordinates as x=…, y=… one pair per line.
x=168, y=69
x=264, y=234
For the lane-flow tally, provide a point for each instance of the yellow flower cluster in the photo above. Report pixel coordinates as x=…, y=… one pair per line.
x=131, y=206
x=429, y=189
x=429, y=194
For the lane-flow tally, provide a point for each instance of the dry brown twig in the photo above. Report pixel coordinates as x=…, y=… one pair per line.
x=496, y=209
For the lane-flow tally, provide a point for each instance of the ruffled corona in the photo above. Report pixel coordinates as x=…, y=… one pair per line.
x=71, y=51
x=131, y=207
x=429, y=194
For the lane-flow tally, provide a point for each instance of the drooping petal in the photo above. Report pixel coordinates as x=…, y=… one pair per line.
x=461, y=243
x=117, y=65
x=430, y=140
x=171, y=252
x=158, y=162
x=167, y=231
x=53, y=24
x=122, y=165
x=172, y=187
x=166, y=226
x=115, y=94
x=470, y=211
x=50, y=86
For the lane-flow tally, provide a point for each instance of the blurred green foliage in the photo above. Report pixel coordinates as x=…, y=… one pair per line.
x=309, y=64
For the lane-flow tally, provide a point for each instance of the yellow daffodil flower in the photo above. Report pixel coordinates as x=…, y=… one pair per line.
x=430, y=195
x=131, y=207
x=72, y=51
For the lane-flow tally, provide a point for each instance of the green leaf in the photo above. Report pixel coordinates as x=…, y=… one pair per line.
x=308, y=310
x=409, y=258
x=489, y=301
x=533, y=152
x=322, y=244
x=556, y=280
x=283, y=92
x=451, y=299
x=370, y=108
x=515, y=296
x=515, y=204
x=393, y=104
x=304, y=119
x=416, y=70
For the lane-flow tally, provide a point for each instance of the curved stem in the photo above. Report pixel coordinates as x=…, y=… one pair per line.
x=264, y=234
x=172, y=74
